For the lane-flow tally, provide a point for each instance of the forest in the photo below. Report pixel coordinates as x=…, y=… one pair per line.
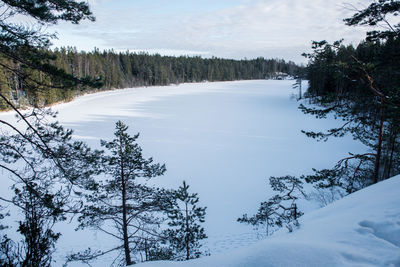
x=113, y=70
x=361, y=86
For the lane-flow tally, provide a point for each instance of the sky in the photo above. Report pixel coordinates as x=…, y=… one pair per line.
x=235, y=29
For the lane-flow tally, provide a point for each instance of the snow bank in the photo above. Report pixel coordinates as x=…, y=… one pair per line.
x=362, y=229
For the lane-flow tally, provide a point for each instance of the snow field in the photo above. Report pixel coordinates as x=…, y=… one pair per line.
x=225, y=139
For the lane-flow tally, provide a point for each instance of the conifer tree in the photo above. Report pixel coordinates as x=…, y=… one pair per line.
x=44, y=164
x=47, y=168
x=280, y=209
x=39, y=239
x=123, y=199
x=360, y=86
x=185, y=230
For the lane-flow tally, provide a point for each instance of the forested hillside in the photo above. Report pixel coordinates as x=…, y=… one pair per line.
x=122, y=70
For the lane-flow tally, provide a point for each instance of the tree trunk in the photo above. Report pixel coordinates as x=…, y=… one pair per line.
x=382, y=119
x=124, y=211
x=380, y=138
x=394, y=135
x=187, y=233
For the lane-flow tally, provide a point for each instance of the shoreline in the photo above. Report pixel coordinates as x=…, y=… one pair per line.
x=98, y=92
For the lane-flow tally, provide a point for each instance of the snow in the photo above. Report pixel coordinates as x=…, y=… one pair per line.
x=362, y=229
x=224, y=138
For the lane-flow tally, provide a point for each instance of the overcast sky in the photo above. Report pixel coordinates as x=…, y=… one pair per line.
x=222, y=28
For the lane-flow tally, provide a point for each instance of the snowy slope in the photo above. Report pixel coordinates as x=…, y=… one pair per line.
x=362, y=229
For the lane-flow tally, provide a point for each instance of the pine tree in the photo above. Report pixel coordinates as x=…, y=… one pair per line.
x=185, y=217
x=48, y=169
x=360, y=86
x=133, y=207
x=280, y=209
x=45, y=165
x=376, y=14
x=38, y=244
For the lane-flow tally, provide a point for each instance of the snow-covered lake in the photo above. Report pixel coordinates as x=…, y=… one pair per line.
x=224, y=138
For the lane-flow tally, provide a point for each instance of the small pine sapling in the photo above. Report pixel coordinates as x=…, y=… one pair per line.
x=185, y=230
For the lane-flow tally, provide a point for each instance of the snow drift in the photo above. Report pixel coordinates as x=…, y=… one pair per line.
x=362, y=229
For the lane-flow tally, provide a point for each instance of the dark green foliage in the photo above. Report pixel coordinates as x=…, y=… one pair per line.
x=123, y=206
x=122, y=70
x=127, y=154
x=348, y=96
x=31, y=74
x=46, y=150
x=39, y=239
x=350, y=174
x=185, y=230
x=378, y=13
x=281, y=209
x=48, y=168
x=361, y=86
x=8, y=253
x=52, y=11
x=157, y=252
x=264, y=218
x=298, y=85
x=25, y=60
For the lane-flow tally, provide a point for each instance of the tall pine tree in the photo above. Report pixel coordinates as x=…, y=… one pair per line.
x=124, y=200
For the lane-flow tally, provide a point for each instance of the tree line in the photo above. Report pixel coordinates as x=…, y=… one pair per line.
x=125, y=70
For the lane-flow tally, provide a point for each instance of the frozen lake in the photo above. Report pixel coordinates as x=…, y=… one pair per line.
x=225, y=139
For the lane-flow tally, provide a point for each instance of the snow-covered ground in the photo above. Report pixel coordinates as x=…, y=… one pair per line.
x=362, y=229
x=225, y=139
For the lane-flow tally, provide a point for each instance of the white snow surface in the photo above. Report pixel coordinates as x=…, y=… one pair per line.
x=224, y=138
x=362, y=229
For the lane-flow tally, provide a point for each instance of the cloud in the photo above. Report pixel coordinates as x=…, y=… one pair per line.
x=269, y=28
